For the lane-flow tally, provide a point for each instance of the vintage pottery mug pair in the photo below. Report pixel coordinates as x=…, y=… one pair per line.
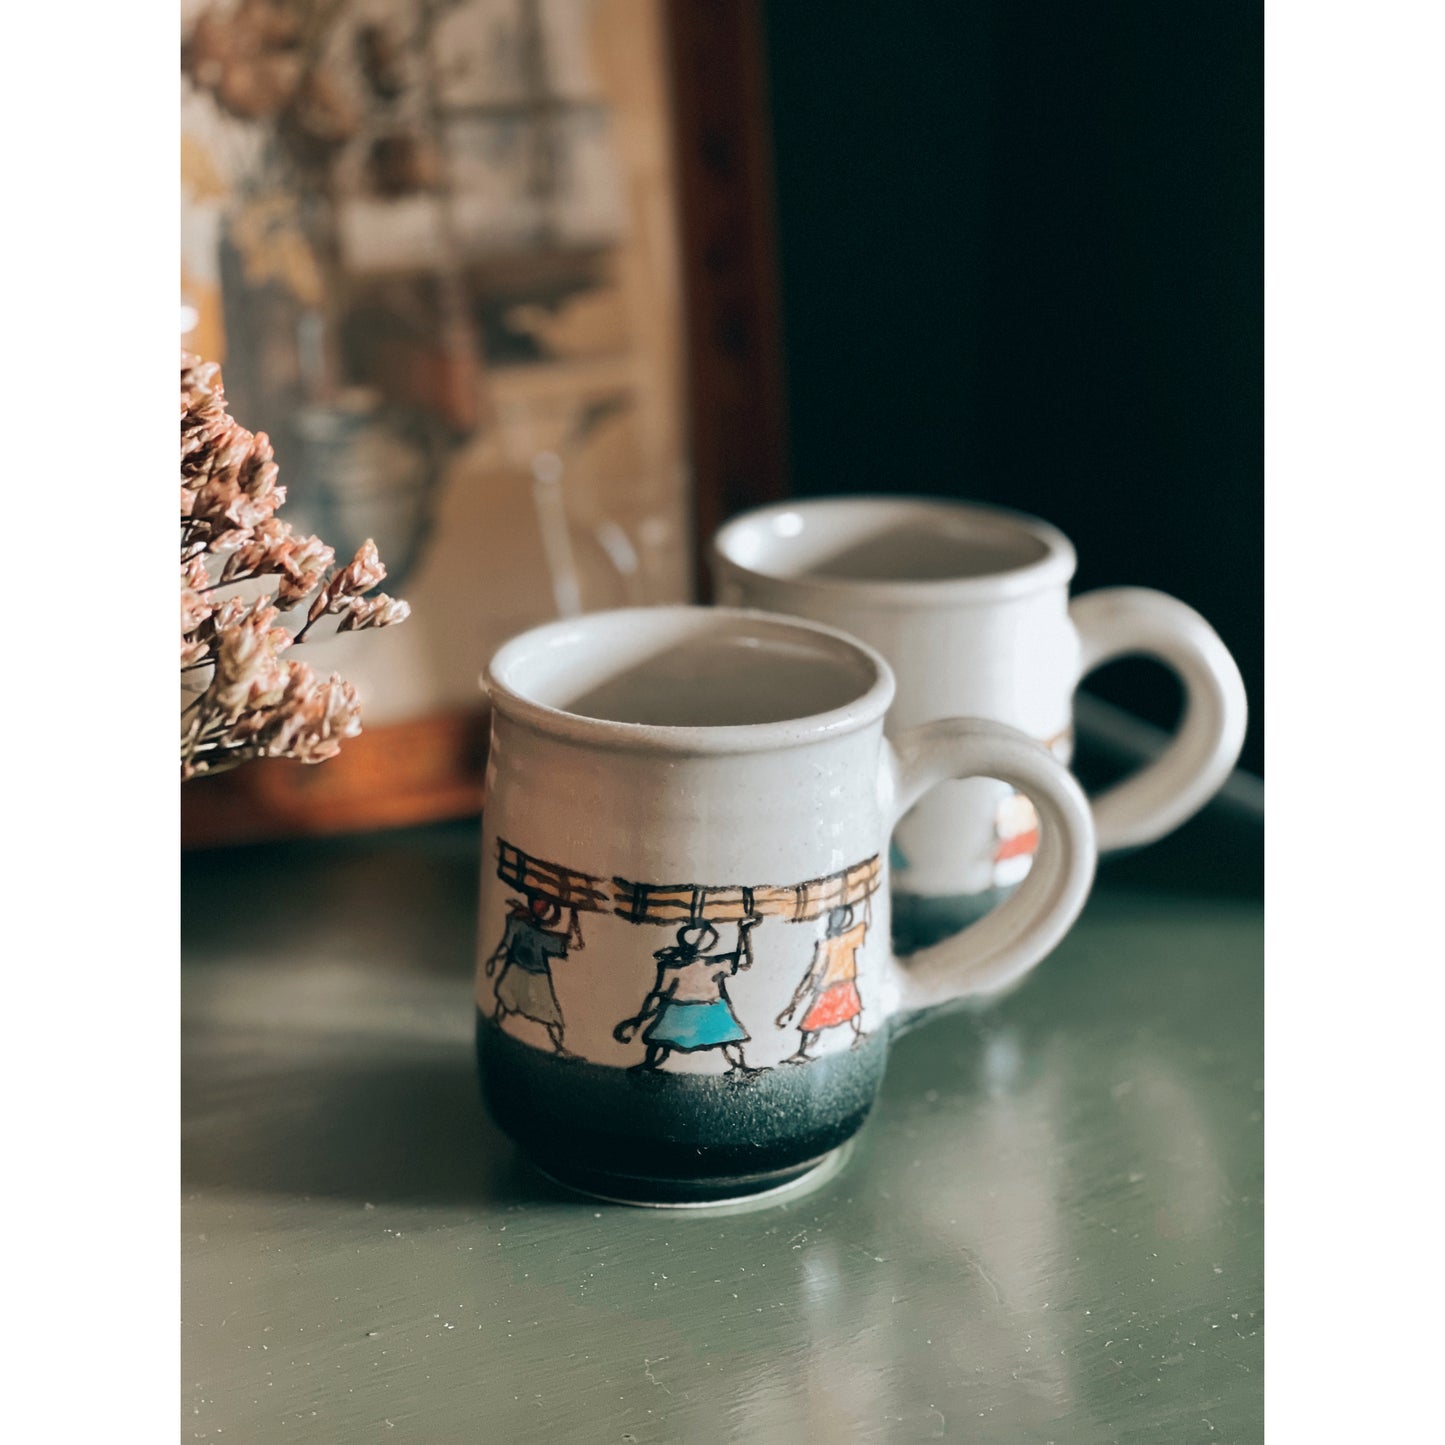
x=686, y=989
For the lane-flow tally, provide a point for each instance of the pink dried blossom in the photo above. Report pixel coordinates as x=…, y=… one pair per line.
x=248, y=672
x=361, y=574
x=250, y=701
x=303, y=564
x=194, y=610
x=378, y=611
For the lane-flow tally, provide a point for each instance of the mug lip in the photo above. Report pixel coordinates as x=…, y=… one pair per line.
x=863, y=711
x=1055, y=568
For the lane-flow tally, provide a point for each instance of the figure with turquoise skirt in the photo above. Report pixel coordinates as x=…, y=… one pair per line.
x=688, y=1009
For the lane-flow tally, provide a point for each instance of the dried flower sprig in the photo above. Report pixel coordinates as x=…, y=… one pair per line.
x=245, y=699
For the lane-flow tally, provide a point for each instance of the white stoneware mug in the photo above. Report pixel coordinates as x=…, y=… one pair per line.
x=685, y=989
x=970, y=605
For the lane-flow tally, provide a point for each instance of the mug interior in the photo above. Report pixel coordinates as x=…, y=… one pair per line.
x=892, y=540
x=688, y=667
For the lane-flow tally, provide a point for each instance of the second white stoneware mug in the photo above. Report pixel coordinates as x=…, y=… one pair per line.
x=970, y=605
x=685, y=989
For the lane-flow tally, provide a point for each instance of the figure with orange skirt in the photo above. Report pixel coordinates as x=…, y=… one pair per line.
x=1016, y=824
x=830, y=987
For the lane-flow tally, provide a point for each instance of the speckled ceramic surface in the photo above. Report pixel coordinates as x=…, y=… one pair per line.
x=685, y=986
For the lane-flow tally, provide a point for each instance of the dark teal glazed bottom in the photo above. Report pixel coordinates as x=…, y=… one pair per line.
x=661, y=1138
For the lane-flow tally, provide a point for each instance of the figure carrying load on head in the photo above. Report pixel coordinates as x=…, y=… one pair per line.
x=529, y=944
x=830, y=986
x=688, y=1009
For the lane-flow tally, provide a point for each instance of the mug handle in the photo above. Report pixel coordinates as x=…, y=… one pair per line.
x=1123, y=621
x=1007, y=942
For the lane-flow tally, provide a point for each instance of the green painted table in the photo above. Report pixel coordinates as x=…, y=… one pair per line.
x=1051, y=1229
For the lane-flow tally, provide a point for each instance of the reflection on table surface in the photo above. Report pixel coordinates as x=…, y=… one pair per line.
x=1050, y=1230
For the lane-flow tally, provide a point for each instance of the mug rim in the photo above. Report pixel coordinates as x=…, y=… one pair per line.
x=862, y=711
x=1055, y=568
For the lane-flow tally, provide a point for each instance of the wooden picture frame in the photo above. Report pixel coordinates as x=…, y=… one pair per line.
x=699, y=181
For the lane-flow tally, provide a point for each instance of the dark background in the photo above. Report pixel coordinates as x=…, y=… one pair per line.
x=1021, y=257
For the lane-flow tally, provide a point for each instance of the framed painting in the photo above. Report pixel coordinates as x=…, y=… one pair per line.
x=496, y=277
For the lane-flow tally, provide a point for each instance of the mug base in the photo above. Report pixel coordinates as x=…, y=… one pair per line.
x=675, y=1138
x=715, y=1194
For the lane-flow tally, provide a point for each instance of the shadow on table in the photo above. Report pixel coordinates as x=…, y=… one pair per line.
x=405, y=896
x=369, y=1129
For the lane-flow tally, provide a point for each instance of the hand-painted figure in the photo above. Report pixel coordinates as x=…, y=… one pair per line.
x=528, y=946
x=688, y=1009
x=1016, y=840
x=830, y=986
x=1016, y=824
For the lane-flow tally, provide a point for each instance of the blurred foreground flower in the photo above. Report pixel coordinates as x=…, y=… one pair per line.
x=243, y=698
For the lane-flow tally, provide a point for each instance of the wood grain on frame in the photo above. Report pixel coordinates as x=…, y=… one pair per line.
x=411, y=772
x=729, y=261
